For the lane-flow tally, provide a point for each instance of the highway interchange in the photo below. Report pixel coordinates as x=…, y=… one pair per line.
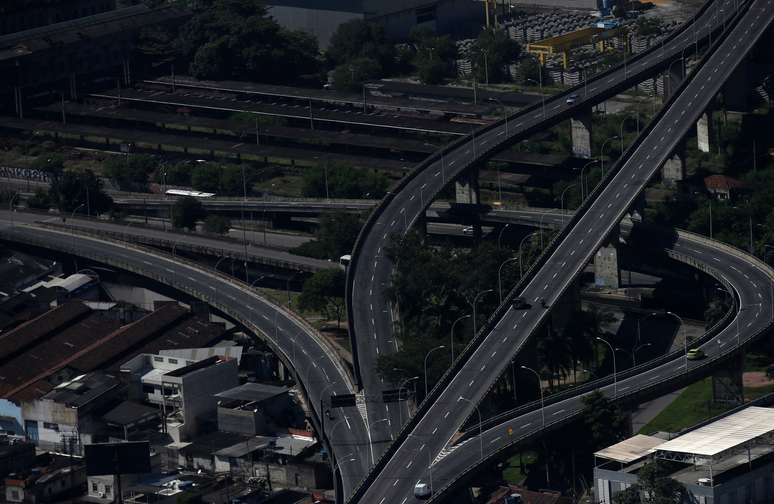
x=454, y=400
x=370, y=270
x=472, y=378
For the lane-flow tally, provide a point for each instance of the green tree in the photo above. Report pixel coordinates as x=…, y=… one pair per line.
x=528, y=71
x=654, y=486
x=80, y=190
x=52, y=165
x=206, y=177
x=360, y=39
x=604, y=421
x=186, y=212
x=217, y=224
x=555, y=354
x=352, y=75
x=434, y=57
x=335, y=237
x=324, y=292
x=491, y=53
x=40, y=200
x=237, y=39
x=130, y=173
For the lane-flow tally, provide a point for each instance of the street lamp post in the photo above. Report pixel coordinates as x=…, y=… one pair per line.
x=480, y=425
x=542, y=96
x=685, y=338
x=500, y=234
x=602, y=153
x=521, y=243
x=615, y=370
x=451, y=338
x=402, y=387
x=499, y=276
x=561, y=199
x=639, y=321
x=621, y=135
x=425, y=366
x=475, y=303
x=584, y=186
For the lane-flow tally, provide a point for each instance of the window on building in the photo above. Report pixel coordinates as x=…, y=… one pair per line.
x=158, y=359
x=51, y=426
x=94, y=487
x=148, y=389
x=108, y=490
x=15, y=495
x=173, y=361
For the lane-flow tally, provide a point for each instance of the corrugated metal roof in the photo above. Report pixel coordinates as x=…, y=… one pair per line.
x=630, y=449
x=724, y=434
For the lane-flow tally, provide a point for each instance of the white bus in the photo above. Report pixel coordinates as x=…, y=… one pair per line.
x=195, y=194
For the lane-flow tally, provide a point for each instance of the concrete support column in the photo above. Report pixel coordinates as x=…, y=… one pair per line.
x=727, y=385
x=18, y=99
x=607, y=270
x=704, y=131
x=581, y=134
x=73, y=87
x=673, y=78
x=466, y=188
x=735, y=90
x=673, y=169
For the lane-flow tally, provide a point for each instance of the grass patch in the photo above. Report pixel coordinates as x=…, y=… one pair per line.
x=751, y=393
x=692, y=406
x=285, y=185
x=512, y=472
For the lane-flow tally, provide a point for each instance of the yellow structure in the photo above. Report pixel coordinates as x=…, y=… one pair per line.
x=562, y=44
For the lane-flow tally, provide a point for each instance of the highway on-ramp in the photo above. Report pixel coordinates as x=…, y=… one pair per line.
x=317, y=368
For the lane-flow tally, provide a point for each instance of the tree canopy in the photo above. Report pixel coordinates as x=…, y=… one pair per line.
x=335, y=236
x=324, y=292
x=237, y=39
x=186, y=212
x=80, y=190
x=130, y=172
x=491, y=53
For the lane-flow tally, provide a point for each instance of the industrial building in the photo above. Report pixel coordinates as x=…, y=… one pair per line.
x=398, y=17
x=726, y=461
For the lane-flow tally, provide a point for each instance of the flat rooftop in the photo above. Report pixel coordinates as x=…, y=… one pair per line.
x=255, y=392
x=727, y=433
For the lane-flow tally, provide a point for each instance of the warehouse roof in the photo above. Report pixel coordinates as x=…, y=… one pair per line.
x=729, y=432
x=630, y=449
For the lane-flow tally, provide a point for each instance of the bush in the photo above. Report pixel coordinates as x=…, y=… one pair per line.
x=217, y=224
x=40, y=200
x=343, y=181
x=186, y=212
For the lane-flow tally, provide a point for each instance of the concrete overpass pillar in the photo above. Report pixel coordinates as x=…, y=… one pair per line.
x=607, y=270
x=581, y=134
x=704, y=131
x=673, y=78
x=466, y=188
x=673, y=169
x=727, y=385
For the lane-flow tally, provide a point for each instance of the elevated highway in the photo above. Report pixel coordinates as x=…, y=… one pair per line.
x=748, y=280
x=507, y=331
x=370, y=326
x=318, y=370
